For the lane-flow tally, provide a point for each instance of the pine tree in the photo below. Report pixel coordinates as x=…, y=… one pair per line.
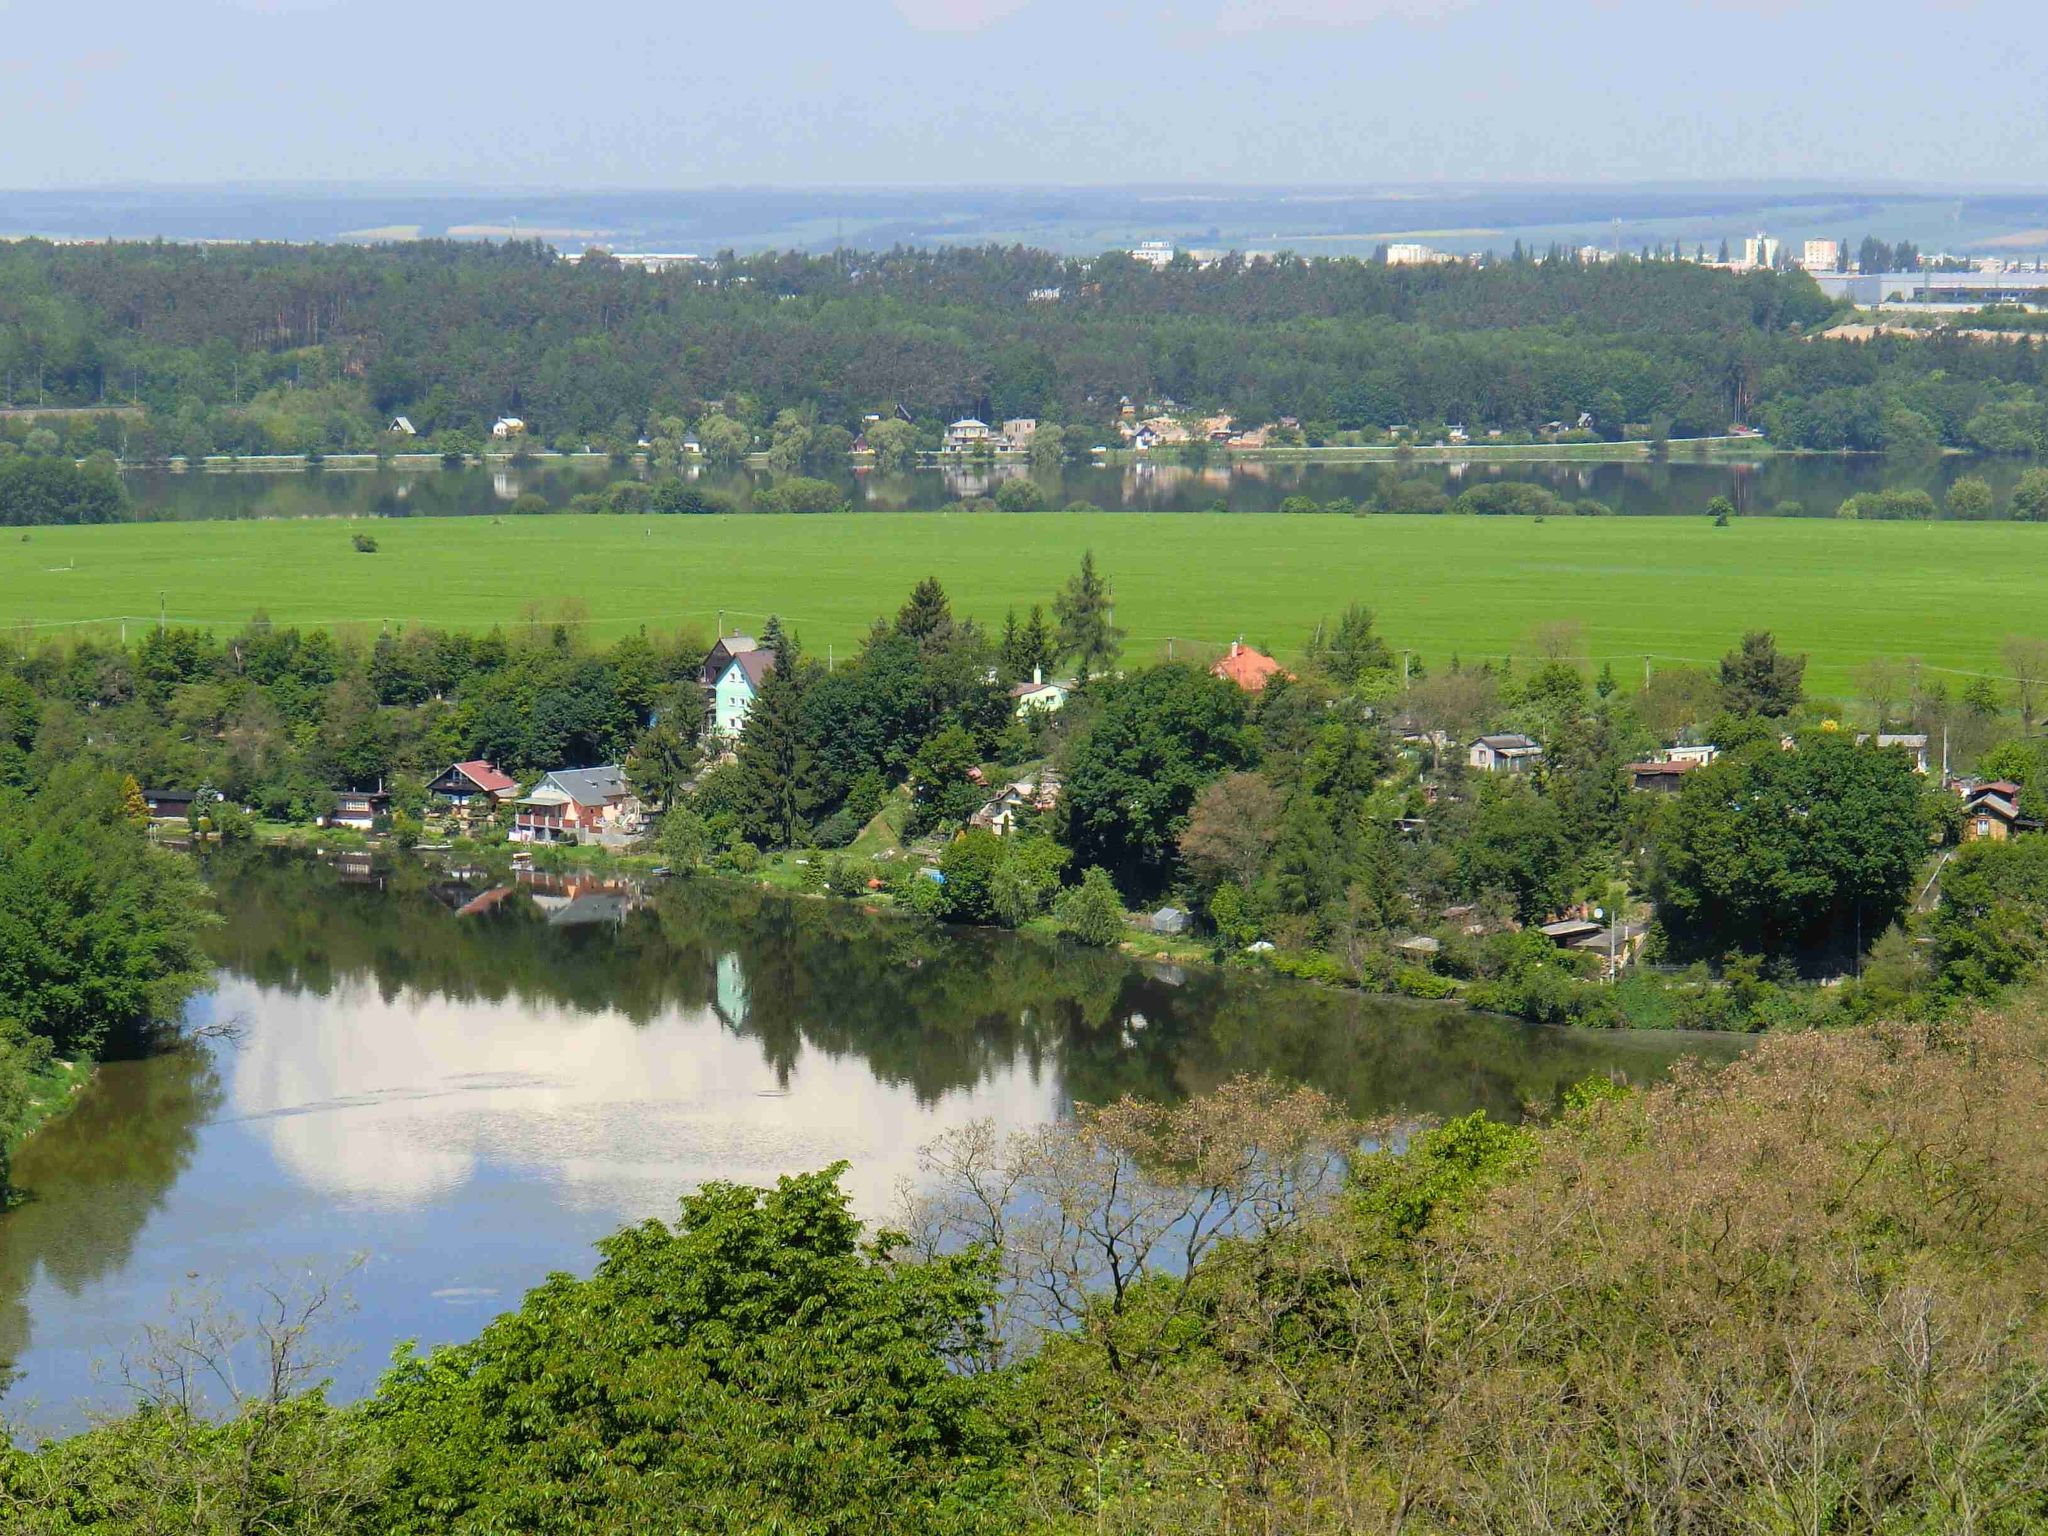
x=1039, y=651
x=1087, y=632
x=777, y=768
x=927, y=614
x=133, y=807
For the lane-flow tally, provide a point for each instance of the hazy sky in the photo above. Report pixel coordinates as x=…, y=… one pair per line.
x=1008, y=91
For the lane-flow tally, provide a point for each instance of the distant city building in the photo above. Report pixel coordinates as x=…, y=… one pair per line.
x=1408, y=254
x=1821, y=255
x=1154, y=253
x=1760, y=250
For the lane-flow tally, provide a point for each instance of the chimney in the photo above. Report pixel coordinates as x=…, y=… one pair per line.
x=1037, y=676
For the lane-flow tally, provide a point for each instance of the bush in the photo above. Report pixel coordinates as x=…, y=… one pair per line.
x=1090, y=913
x=1308, y=965
x=1414, y=981
x=364, y=544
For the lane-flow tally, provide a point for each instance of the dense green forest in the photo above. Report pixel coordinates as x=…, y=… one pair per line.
x=287, y=348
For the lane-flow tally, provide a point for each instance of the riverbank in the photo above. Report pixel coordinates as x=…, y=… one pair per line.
x=49, y=1094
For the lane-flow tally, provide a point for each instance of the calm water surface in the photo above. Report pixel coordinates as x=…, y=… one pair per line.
x=462, y=1084
x=1814, y=485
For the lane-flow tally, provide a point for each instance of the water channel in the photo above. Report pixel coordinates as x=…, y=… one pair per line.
x=458, y=1082
x=1811, y=485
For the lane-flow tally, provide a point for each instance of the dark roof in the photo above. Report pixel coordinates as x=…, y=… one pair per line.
x=755, y=664
x=591, y=786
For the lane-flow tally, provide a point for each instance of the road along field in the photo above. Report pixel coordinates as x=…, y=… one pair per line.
x=1660, y=588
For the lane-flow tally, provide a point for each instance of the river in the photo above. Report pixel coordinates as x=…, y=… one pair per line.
x=1811, y=485
x=458, y=1085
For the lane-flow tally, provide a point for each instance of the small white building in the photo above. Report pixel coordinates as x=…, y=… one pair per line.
x=401, y=427
x=1508, y=753
x=507, y=426
x=1041, y=693
x=739, y=684
x=1699, y=755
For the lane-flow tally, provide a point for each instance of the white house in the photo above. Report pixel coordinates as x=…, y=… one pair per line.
x=739, y=682
x=1697, y=755
x=1509, y=753
x=968, y=432
x=507, y=426
x=1040, y=693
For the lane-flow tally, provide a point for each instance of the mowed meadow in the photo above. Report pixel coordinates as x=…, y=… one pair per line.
x=1664, y=589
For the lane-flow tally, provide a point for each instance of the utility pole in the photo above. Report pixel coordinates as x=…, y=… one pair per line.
x=160, y=603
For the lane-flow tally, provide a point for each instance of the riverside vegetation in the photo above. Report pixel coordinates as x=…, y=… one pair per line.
x=1322, y=822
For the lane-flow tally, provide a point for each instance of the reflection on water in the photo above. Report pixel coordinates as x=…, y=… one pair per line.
x=465, y=1082
x=1817, y=484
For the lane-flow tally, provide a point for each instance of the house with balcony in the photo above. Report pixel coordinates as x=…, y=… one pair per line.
x=580, y=805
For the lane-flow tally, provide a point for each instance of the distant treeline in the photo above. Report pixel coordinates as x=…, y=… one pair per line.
x=318, y=349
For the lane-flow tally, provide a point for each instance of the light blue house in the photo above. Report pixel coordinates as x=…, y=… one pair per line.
x=732, y=696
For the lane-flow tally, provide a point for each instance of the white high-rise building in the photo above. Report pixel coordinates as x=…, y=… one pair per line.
x=1760, y=250
x=1821, y=255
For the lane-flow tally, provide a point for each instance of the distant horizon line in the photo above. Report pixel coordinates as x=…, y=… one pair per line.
x=329, y=186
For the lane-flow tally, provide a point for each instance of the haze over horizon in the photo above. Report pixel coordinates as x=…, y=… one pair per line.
x=1020, y=93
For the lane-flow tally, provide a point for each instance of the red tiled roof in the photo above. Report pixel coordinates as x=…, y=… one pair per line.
x=485, y=777
x=1247, y=668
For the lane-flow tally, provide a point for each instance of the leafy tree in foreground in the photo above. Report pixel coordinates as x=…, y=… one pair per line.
x=762, y=1365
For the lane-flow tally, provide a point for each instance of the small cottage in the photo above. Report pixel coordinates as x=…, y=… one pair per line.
x=1508, y=753
x=1250, y=669
x=473, y=786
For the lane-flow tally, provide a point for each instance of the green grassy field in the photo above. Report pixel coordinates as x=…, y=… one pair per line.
x=1666, y=588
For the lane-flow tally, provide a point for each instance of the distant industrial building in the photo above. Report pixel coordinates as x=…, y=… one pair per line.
x=1935, y=290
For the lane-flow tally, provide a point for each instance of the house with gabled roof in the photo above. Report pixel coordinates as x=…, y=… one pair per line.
x=1508, y=752
x=579, y=805
x=733, y=694
x=473, y=786
x=1041, y=693
x=720, y=656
